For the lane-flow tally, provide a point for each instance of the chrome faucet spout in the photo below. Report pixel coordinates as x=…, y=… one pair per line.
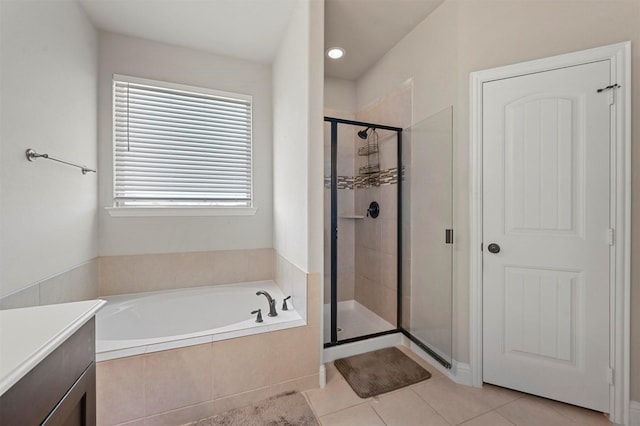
x=272, y=302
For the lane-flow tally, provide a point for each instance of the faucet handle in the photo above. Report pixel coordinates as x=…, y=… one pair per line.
x=259, y=312
x=284, y=304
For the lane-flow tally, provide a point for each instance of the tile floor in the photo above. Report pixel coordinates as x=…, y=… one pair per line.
x=440, y=402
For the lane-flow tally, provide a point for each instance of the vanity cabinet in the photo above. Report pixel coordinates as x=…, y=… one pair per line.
x=60, y=390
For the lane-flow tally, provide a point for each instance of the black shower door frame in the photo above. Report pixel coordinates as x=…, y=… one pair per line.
x=334, y=242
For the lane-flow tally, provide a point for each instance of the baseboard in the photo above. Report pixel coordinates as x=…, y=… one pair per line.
x=462, y=373
x=459, y=372
x=634, y=413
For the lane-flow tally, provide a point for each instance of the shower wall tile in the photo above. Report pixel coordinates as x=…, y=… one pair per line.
x=364, y=291
x=388, y=236
x=368, y=233
x=388, y=200
x=376, y=239
x=388, y=151
x=389, y=270
x=368, y=263
x=346, y=288
x=385, y=302
x=76, y=284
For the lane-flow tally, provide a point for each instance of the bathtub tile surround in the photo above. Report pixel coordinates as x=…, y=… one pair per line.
x=163, y=271
x=292, y=281
x=177, y=378
x=127, y=375
x=73, y=285
x=187, y=384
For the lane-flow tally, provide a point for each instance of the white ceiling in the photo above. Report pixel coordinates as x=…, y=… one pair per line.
x=253, y=29
x=246, y=29
x=367, y=29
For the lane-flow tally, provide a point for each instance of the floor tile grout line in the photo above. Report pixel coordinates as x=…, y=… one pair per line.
x=533, y=398
x=313, y=409
x=377, y=414
x=504, y=417
x=344, y=409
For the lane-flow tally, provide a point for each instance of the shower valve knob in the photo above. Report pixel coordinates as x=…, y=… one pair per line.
x=373, y=210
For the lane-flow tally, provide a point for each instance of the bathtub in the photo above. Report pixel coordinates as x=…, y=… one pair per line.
x=134, y=324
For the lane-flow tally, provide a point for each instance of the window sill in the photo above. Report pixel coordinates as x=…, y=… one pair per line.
x=179, y=211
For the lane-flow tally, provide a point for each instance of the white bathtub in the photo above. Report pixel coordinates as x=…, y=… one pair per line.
x=134, y=324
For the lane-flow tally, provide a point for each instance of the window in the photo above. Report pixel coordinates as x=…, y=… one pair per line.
x=180, y=146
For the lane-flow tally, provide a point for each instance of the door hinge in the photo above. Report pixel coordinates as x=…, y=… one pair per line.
x=610, y=236
x=610, y=376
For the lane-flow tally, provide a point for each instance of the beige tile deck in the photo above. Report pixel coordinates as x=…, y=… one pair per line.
x=441, y=402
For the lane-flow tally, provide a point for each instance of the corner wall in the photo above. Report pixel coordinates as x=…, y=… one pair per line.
x=297, y=139
x=48, y=100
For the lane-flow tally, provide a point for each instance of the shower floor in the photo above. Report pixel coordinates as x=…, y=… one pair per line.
x=354, y=320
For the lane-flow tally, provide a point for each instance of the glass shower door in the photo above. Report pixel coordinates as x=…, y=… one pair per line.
x=427, y=207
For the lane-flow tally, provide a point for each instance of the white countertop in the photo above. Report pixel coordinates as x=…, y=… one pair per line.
x=28, y=335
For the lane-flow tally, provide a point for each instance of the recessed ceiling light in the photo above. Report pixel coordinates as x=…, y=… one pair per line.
x=335, y=52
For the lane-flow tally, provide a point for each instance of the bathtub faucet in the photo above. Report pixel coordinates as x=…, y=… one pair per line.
x=272, y=303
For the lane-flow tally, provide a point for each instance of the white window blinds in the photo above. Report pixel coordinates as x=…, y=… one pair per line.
x=176, y=145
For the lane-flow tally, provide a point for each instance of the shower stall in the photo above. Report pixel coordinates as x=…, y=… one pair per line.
x=387, y=265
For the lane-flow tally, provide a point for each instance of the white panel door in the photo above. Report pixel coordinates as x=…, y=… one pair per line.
x=546, y=204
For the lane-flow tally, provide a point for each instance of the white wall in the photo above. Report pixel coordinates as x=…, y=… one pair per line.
x=462, y=36
x=136, y=235
x=429, y=55
x=315, y=160
x=297, y=140
x=48, y=218
x=340, y=95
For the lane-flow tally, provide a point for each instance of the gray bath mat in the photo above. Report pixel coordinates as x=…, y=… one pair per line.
x=285, y=409
x=380, y=371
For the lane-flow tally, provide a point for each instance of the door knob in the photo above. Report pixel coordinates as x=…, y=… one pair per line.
x=493, y=248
